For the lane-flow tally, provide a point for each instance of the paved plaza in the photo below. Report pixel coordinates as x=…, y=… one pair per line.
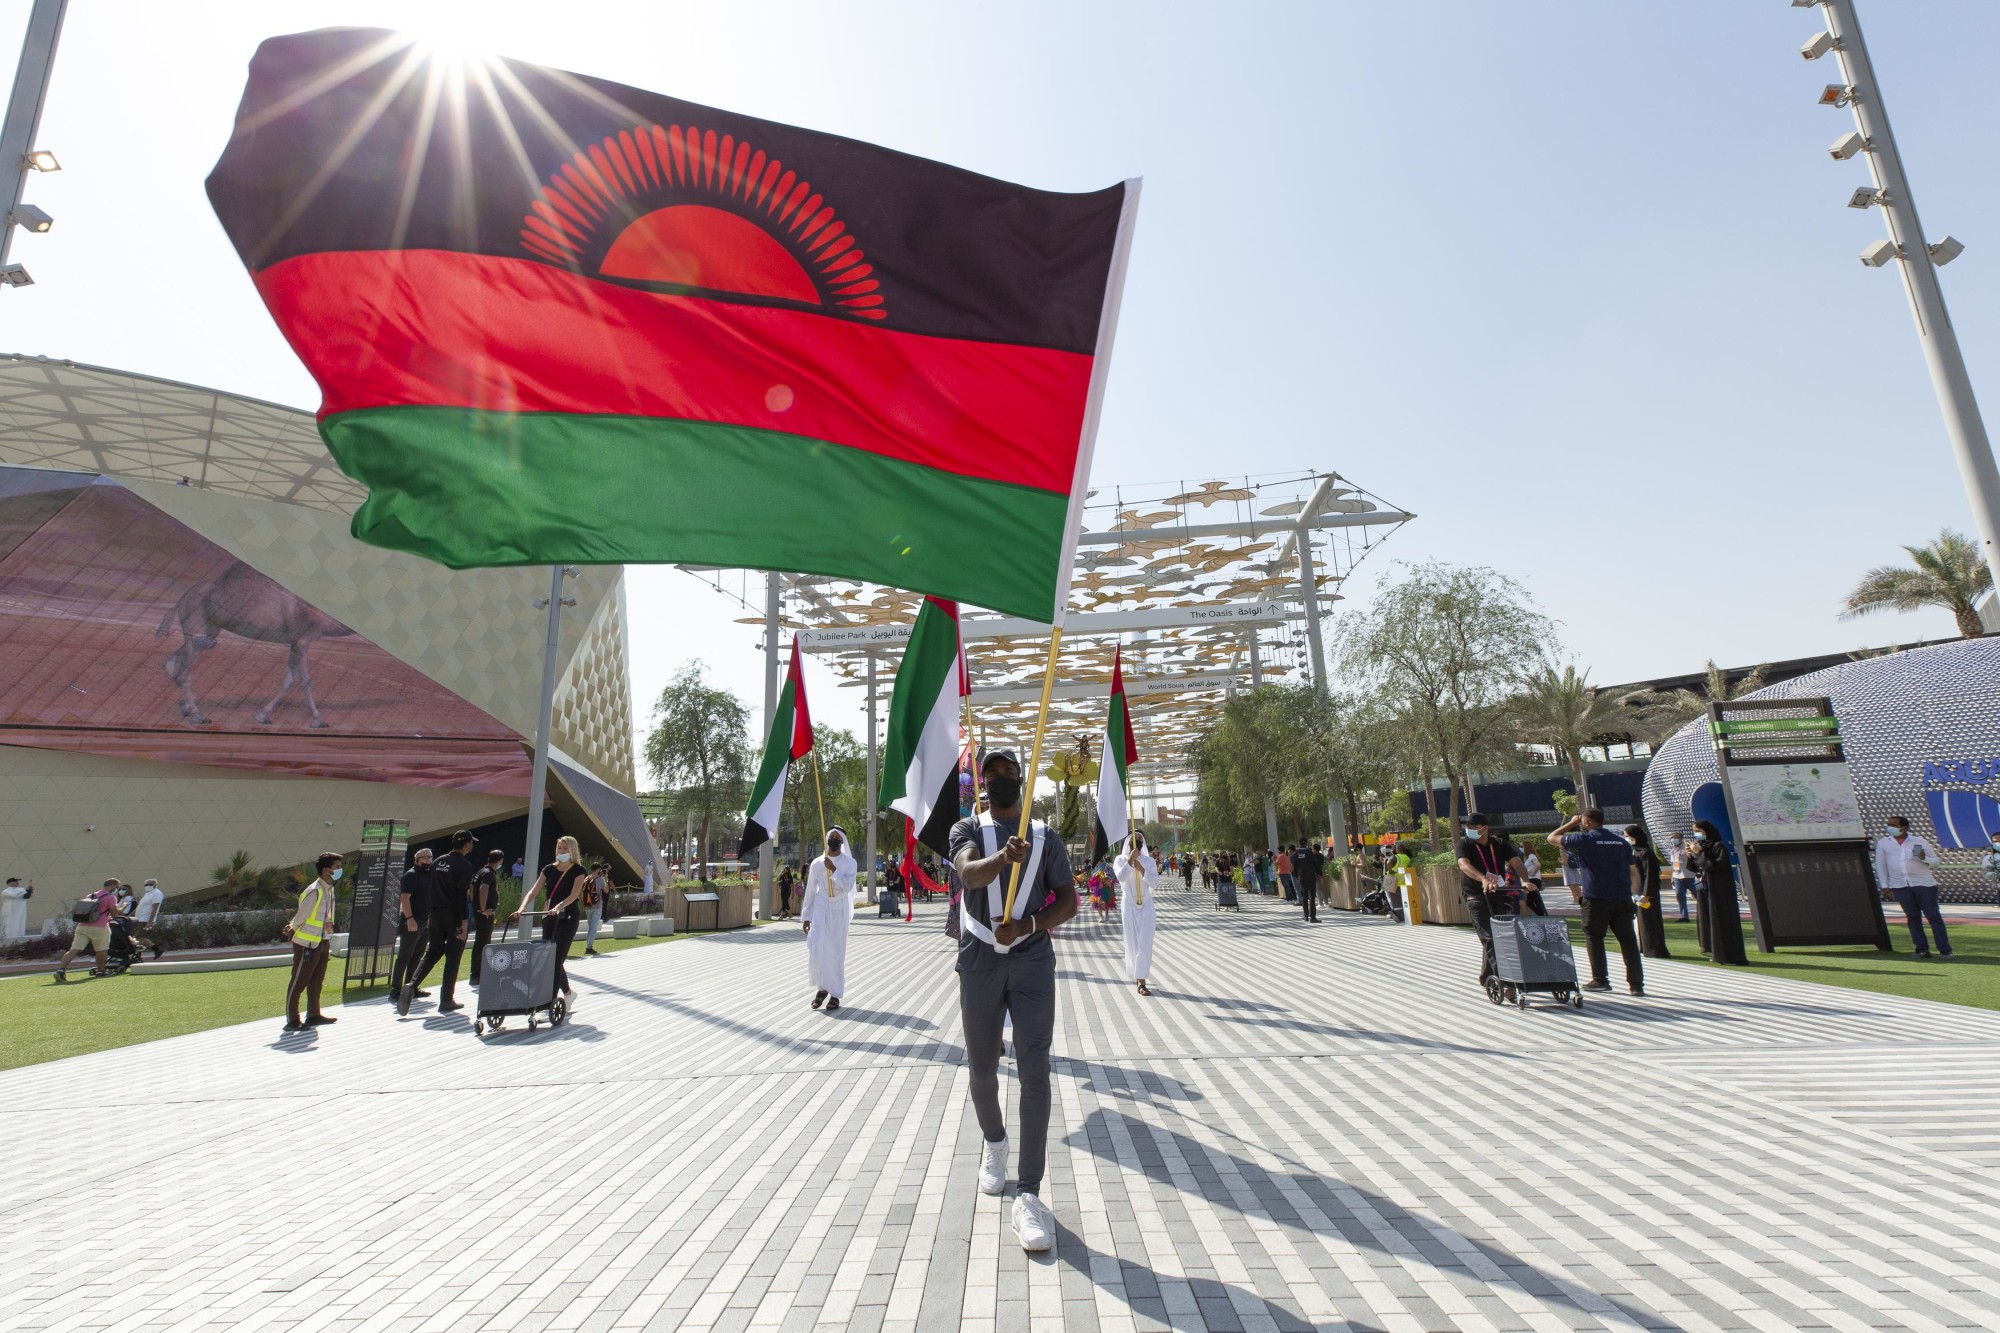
x=1307, y=1127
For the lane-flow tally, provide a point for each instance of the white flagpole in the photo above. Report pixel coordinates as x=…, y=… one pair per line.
x=544, y=722
x=1079, y=491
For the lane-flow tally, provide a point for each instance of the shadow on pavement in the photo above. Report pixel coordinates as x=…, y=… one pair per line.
x=1349, y=1209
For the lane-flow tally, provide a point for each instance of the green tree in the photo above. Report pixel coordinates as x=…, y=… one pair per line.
x=1658, y=714
x=1446, y=647
x=1394, y=816
x=235, y=875
x=1949, y=572
x=1561, y=708
x=701, y=739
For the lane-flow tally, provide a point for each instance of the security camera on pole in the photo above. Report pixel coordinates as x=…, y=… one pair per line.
x=1862, y=95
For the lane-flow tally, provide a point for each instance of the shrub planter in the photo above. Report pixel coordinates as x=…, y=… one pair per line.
x=1443, y=904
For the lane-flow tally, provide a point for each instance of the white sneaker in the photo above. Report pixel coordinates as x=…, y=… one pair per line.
x=1033, y=1225
x=993, y=1167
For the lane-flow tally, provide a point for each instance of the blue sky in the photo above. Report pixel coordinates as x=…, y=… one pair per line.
x=1571, y=280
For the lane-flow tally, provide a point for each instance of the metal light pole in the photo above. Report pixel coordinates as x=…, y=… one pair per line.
x=24, y=119
x=868, y=797
x=538, y=783
x=1962, y=422
x=1270, y=802
x=767, y=864
x=1336, y=827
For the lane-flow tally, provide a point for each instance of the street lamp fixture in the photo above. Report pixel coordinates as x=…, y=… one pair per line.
x=1866, y=196
x=1836, y=94
x=1819, y=45
x=41, y=160
x=1878, y=253
x=13, y=275
x=1945, y=249
x=1847, y=145
x=30, y=217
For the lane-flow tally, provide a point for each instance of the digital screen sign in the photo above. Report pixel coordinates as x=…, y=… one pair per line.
x=1805, y=893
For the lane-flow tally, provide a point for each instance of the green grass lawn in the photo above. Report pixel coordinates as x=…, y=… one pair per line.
x=50, y=1022
x=1972, y=977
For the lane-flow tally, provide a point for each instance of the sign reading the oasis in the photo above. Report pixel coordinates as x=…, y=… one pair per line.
x=1962, y=818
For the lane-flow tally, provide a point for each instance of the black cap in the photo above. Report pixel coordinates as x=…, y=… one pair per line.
x=1480, y=821
x=991, y=755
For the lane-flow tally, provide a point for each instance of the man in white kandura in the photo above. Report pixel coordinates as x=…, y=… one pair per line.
x=829, y=904
x=1138, y=884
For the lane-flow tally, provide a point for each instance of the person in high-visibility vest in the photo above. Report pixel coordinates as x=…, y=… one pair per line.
x=308, y=930
x=1406, y=876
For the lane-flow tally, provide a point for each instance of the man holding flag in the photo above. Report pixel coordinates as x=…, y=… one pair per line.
x=1136, y=868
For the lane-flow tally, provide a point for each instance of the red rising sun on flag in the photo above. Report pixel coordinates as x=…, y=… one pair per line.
x=685, y=208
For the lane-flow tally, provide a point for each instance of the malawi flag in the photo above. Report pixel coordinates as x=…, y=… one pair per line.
x=921, y=752
x=791, y=738
x=558, y=319
x=1114, y=823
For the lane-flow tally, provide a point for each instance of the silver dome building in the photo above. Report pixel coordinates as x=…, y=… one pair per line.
x=1921, y=730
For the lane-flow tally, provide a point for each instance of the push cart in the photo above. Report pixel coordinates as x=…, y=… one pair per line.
x=1532, y=955
x=519, y=977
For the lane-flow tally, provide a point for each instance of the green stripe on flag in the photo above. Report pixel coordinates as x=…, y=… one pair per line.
x=470, y=489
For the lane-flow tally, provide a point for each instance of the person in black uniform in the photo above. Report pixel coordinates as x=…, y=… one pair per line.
x=1646, y=888
x=420, y=884
x=485, y=905
x=451, y=899
x=1306, y=865
x=1721, y=925
x=1484, y=862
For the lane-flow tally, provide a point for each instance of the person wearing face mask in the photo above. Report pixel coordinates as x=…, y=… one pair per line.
x=1138, y=885
x=308, y=930
x=1721, y=922
x=1990, y=865
x=1484, y=862
x=562, y=879
x=829, y=904
x=1904, y=865
x=419, y=889
x=1007, y=965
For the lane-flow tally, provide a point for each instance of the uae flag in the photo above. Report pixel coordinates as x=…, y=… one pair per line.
x=921, y=752
x=1114, y=823
x=791, y=738
x=556, y=319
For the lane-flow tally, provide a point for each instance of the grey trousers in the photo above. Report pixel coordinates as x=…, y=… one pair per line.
x=1028, y=990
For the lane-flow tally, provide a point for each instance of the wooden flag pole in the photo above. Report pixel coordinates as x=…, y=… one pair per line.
x=820, y=792
x=1034, y=767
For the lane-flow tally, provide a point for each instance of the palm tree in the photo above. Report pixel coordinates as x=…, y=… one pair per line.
x=1658, y=714
x=236, y=876
x=1950, y=572
x=1563, y=709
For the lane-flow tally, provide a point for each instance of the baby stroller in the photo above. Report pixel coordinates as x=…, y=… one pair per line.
x=122, y=953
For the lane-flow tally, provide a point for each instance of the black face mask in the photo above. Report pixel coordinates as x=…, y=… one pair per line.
x=1004, y=793
x=833, y=847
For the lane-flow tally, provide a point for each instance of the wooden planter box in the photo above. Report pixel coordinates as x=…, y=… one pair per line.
x=731, y=913
x=1442, y=902
x=1344, y=889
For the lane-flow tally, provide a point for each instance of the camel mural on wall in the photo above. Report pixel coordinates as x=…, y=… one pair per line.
x=242, y=602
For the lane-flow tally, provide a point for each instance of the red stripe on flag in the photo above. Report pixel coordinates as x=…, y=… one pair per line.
x=802, y=726
x=382, y=328
x=1118, y=688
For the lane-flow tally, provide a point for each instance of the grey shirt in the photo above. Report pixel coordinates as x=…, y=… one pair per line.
x=976, y=955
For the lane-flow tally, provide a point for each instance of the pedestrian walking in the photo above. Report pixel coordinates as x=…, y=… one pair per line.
x=308, y=930
x=146, y=916
x=485, y=906
x=829, y=904
x=1007, y=965
x=1287, y=885
x=450, y=903
x=1484, y=862
x=1138, y=885
x=1719, y=919
x=93, y=915
x=785, y=882
x=596, y=888
x=1307, y=865
x=1904, y=865
x=419, y=886
x=1187, y=873
x=1646, y=888
x=14, y=908
x=1680, y=869
x=1604, y=862
x=562, y=881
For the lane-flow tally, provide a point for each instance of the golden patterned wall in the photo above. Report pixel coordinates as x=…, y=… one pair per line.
x=593, y=712
x=75, y=819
